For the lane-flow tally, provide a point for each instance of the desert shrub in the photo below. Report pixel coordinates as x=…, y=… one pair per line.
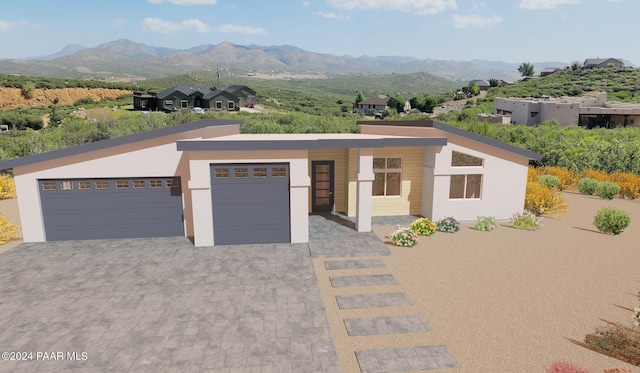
x=534, y=173
x=595, y=174
x=611, y=220
x=587, y=185
x=616, y=341
x=629, y=184
x=607, y=190
x=565, y=367
x=542, y=200
x=485, y=223
x=565, y=177
x=550, y=181
x=448, y=224
x=526, y=220
x=28, y=89
x=7, y=187
x=403, y=236
x=423, y=227
x=8, y=230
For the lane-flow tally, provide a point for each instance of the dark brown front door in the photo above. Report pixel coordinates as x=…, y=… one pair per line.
x=322, y=186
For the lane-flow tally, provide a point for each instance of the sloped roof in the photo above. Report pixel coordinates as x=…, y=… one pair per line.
x=235, y=88
x=213, y=94
x=104, y=144
x=187, y=90
x=375, y=101
x=598, y=61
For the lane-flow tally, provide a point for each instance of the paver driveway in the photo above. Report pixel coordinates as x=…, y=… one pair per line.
x=163, y=305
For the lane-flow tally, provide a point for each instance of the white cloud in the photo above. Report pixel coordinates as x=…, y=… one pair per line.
x=227, y=29
x=306, y=3
x=166, y=27
x=414, y=6
x=185, y=2
x=546, y=4
x=475, y=21
x=331, y=15
x=9, y=26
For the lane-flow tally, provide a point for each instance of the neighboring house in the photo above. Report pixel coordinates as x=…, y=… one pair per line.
x=374, y=104
x=549, y=70
x=190, y=96
x=246, y=96
x=484, y=85
x=588, y=112
x=595, y=63
x=206, y=181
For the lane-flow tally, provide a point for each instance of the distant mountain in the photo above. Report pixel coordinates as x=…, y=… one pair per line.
x=126, y=58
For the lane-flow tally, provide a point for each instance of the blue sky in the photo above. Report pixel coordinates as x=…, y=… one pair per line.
x=506, y=30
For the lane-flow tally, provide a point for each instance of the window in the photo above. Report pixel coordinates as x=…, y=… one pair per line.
x=102, y=185
x=464, y=160
x=66, y=185
x=260, y=172
x=221, y=173
x=465, y=186
x=388, y=176
x=184, y=103
x=241, y=173
x=84, y=185
x=279, y=172
x=534, y=114
x=49, y=185
x=218, y=104
x=138, y=184
x=168, y=102
x=231, y=105
x=122, y=184
x=155, y=183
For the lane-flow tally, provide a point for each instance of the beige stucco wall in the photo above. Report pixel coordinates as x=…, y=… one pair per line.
x=563, y=112
x=339, y=156
x=410, y=200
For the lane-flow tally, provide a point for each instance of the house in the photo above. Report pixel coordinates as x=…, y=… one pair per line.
x=588, y=112
x=549, y=70
x=482, y=84
x=206, y=181
x=595, y=63
x=190, y=96
x=373, y=105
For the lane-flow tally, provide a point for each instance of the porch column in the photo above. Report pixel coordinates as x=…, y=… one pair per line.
x=364, y=181
x=299, y=183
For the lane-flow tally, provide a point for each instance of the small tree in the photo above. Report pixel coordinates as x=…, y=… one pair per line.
x=474, y=89
x=493, y=82
x=28, y=89
x=526, y=69
x=575, y=66
x=360, y=97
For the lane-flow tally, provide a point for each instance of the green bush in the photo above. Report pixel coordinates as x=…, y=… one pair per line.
x=611, y=220
x=448, y=224
x=485, y=223
x=550, y=181
x=404, y=237
x=423, y=227
x=607, y=190
x=526, y=220
x=587, y=186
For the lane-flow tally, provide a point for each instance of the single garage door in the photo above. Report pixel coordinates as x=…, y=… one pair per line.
x=78, y=209
x=250, y=203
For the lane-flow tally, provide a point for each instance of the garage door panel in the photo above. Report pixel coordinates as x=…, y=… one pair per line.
x=253, y=208
x=72, y=214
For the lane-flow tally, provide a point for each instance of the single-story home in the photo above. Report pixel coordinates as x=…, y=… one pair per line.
x=373, y=105
x=231, y=98
x=595, y=63
x=206, y=181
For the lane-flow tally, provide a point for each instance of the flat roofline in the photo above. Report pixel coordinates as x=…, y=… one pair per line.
x=306, y=144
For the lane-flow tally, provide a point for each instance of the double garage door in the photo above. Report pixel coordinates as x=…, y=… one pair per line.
x=77, y=209
x=250, y=203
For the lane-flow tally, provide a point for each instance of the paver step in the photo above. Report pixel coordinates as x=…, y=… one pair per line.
x=405, y=359
x=386, y=325
x=353, y=264
x=362, y=280
x=373, y=300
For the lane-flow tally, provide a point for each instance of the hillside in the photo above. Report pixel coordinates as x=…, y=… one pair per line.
x=11, y=98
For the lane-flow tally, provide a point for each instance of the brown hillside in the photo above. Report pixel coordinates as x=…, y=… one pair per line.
x=11, y=98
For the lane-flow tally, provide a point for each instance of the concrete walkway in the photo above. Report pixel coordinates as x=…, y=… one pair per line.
x=161, y=305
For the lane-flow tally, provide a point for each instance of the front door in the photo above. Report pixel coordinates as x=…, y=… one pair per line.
x=322, y=186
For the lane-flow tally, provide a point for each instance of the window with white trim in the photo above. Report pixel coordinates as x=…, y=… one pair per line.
x=168, y=102
x=465, y=186
x=231, y=105
x=218, y=104
x=66, y=185
x=184, y=103
x=388, y=176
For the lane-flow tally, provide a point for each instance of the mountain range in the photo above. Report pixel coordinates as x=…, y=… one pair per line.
x=127, y=59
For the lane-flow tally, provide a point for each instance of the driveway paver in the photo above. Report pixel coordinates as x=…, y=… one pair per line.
x=152, y=305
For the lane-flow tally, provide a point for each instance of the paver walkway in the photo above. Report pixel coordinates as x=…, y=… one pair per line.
x=156, y=305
